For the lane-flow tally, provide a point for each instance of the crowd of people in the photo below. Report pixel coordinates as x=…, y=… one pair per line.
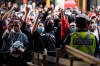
x=27, y=28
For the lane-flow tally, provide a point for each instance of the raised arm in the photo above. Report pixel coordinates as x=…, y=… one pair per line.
x=35, y=25
x=26, y=14
x=2, y=6
x=9, y=12
x=46, y=14
x=64, y=26
x=62, y=14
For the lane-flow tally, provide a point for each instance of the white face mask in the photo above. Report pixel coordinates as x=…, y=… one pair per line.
x=20, y=15
x=6, y=22
x=58, y=13
x=1, y=12
x=12, y=30
x=68, y=13
x=45, y=8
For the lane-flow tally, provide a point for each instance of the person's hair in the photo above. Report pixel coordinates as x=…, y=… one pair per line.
x=82, y=22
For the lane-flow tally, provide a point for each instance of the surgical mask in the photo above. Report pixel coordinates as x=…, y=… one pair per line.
x=1, y=12
x=45, y=8
x=68, y=12
x=12, y=30
x=20, y=15
x=72, y=29
x=40, y=29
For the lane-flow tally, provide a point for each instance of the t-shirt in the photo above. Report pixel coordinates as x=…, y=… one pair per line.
x=42, y=42
x=38, y=42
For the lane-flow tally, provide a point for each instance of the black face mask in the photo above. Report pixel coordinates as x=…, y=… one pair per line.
x=92, y=30
x=50, y=27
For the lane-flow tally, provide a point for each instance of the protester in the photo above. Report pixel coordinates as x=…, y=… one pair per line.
x=10, y=36
x=38, y=27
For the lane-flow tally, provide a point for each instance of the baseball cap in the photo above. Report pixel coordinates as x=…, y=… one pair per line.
x=17, y=21
x=82, y=18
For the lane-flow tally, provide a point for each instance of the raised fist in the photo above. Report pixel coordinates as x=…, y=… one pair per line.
x=15, y=6
x=3, y=5
x=27, y=9
x=49, y=8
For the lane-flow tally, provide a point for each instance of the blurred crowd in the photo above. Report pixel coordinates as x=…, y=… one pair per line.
x=26, y=28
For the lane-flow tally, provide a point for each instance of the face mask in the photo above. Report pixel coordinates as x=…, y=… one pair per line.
x=40, y=29
x=1, y=12
x=68, y=12
x=51, y=26
x=12, y=30
x=20, y=15
x=91, y=30
x=72, y=28
x=45, y=9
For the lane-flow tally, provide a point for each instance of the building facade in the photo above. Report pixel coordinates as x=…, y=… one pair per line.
x=84, y=5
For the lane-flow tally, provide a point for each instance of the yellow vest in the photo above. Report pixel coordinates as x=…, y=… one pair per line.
x=84, y=42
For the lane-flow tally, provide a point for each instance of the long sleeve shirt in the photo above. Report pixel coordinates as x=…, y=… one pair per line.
x=10, y=37
x=64, y=28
